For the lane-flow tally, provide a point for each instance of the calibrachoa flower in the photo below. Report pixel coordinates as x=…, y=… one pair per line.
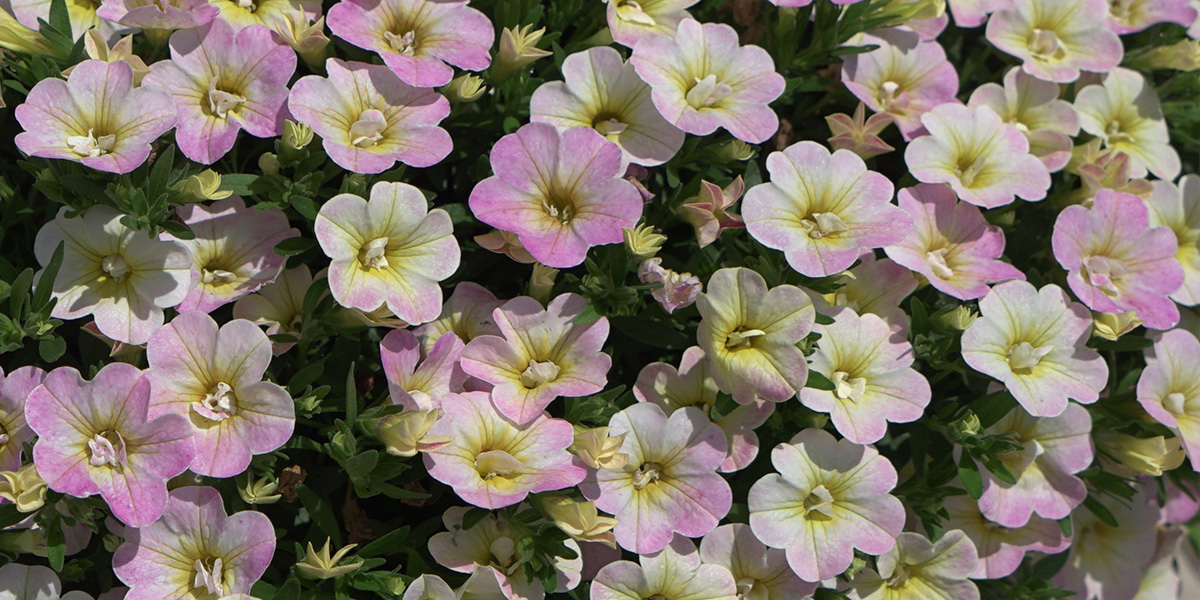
x=540, y=355
x=703, y=79
x=1169, y=388
x=95, y=117
x=158, y=16
x=871, y=370
x=691, y=385
x=214, y=377
x=1053, y=450
x=859, y=134
x=1033, y=341
x=1106, y=562
x=905, y=77
x=244, y=13
x=416, y=38
x=420, y=387
x=224, y=81
x=1177, y=207
x=670, y=483
x=1001, y=549
x=232, y=253
x=951, y=244
x=760, y=573
x=709, y=212
x=917, y=569
x=1032, y=106
x=601, y=91
x=25, y=582
x=822, y=210
x=82, y=16
x=985, y=160
x=1057, y=39
x=1131, y=16
x=389, y=250
x=679, y=290
x=118, y=275
x=675, y=571
x=749, y=334
x=1125, y=113
x=494, y=463
x=15, y=387
x=829, y=498
x=1116, y=261
x=94, y=437
x=875, y=286
x=467, y=314
x=630, y=21
x=195, y=551
x=278, y=305
x=560, y=193
x=368, y=118
x=973, y=13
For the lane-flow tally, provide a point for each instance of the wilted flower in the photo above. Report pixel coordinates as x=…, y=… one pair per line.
x=829, y=498
x=759, y=572
x=1001, y=549
x=674, y=571
x=96, y=46
x=1169, y=388
x=905, y=77
x=1112, y=326
x=917, y=569
x=506, y=243
x=320, y=565
x=1130, y=456
x=464, y=88
x=1124, y=111
x=859, y=134
x=1177, y=207
x=709, y=212
x=205, y=185
x=1032, y=106
x=15, y=387
x=406, y=433
x=1057, y=39
x=302, y=30
x=679, y=290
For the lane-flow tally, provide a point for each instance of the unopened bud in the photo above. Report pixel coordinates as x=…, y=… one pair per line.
x=24, y=488
x=260, y=491
x=205, y=185
x=1112, y=326
x=268, y=163
x=464, y=89
x=1135, y=456
x=296, y=135
x=642, y=242
x=598, y=450
x=541, y=282
x=518, y=47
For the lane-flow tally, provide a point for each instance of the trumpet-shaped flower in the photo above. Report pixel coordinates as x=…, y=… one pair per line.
x=1057, y=39
x=120, y=276
x=1169, y=388
x=195, y=551
x=214, y=377
x=160, y=16
x=1131, y=16
x=1177, y=207
x=985, y=160
x=760, y=573
x=271, y=13
x=749, y=334
x=601, y=91
x=702, y=79
x=692, y=385
x=278, y=305
x=905, y=77
x=951, y=244
x=560, y=193
x=96, y=117
x=224, y=81
x=822, y=210
x=467, y=314
x=1001, y=549
x=1106, y=562
x=1116, y=261
x=1032, y=106
x=232, y=253
x=630, y=21
x=709, y=211
x=389, y=250
x=94, y=437
x=420, y=387
x=871, y=370
x=1125, y=113
x=875, y=286
x=1033, y=341
x=15, y=387
x=829, y=498
x=25, y=582
x=368, y=118
x=859, y=134
x=540, y=355
x=416, y=38
x=493, y=462
x=670, y=484
x=1053, y=450
x=675, y=571
x=918, y=569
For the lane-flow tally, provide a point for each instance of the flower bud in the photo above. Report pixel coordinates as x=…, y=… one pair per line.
x=24, y=488
x=518, y=47
x=269, y=163
x=541, y=282
x=306, y=37
x=464, y=89
x=1111, y=327
x=597, y=450
x=320, y=565
x=958, y=318
x=205, y=185
x=1180, y=56
x=966, y=426
x=296, y=135
x=18, y=38
x=407, y=433
x=580, y=520
x=1133, y=455
x=260, y=491
x=736, y=150
x=642, y=242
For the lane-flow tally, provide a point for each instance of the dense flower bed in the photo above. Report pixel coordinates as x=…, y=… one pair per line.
x=653, y=300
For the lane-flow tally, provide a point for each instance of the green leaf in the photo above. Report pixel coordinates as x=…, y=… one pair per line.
x=351, y=396
x=819, y=382
x=45, y=283
x=651, y=333
x=588, y=316
x=179, y=230
x=1049, y=566
x=289, y=591
x=20, y=293
x=321, y=512
x=56, y=546
x=473, y=517
x=1100, y=511
x=388, y=544
x=969, y=475
x=239, y=183
x=9, y=515
x=52, y=349
x=294, y=246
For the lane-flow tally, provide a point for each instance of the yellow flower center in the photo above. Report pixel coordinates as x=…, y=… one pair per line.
x=90, y=146
x=818, y=505
x=936, y=259
x=215, y=276
x=707, y=92
x=497, y=463
x=559, y=206
x=210, y=575
x=1176, y=403
x=218, y=404
x=1024, y=357
x=539, y=373
x=373, y=254
x=405, y=43
x=628, y=10
x=221, y=102
x=822, y=225
x=114, y=266
x=1104, y=274
x=847, y=387
x=742, y=338
x=107, y=448
x=1044, y=44
x=646, y=474
x=368, y=129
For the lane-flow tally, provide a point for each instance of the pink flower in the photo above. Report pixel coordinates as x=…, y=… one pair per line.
x=1057, y=38
x=1001, y=549
x=1106, y=562
x=670, y=483
x=675, y=571
x=1032, y=106
x=95, y=437
x=15, y=388
x=195, y=550
x=709, y=212
x=420, y=387
x=871, y=370
x=1169, y=388
x=368, y=118
x=1125, y=113
x=973, y=13
x=760, y=573
x=560, y=193
x=875, y=286
x=160, y=15
x=279, y=306
x=859, y=134
x=679, y=290
x=918, y=569
x=984, y=159
x=233, y=251
x=540, y=355
x=416, y=38
x=822, y=210
x=389, y=250
x=905, y=77
x=829, y=498
x=703, y=79
x=467, y=314
x=1131, y=16
x=951, y=244
x=95, y=117
x=1033, y=341
x=1117, y=261
x=631, y=21
x=1053, y=450
x=506, y=243
x=224, y=81
x=215, y=379
x=1177, y=207
x=493, y=462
